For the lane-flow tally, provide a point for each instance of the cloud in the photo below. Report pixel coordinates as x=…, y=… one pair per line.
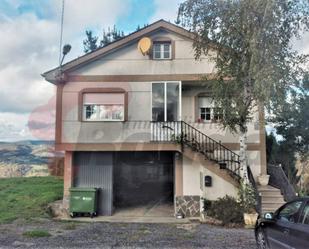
x=13, y=127
x=29, y=47
x=302, y=45
x=166, y=10
x=29, y=32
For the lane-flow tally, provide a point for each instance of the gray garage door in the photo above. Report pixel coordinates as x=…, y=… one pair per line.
x=95, y=169
x=142, y=178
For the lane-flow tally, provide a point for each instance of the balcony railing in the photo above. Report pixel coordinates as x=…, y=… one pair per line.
x=187, y=135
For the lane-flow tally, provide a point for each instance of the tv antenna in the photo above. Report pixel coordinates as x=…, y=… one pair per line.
x=63, y=51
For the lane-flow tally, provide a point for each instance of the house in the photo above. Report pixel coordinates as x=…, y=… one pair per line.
x=143, y=128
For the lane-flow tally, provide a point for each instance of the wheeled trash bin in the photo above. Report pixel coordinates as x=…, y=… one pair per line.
x=83, y=201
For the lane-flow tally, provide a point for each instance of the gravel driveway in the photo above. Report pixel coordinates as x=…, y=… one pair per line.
x=124, y=235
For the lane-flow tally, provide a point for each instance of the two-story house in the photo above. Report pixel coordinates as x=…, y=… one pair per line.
x=143, y=128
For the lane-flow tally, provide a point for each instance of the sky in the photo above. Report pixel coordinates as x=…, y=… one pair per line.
x=29, y=46
x=29, y=42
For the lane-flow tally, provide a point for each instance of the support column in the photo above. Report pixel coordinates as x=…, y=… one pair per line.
x=178, y=174
x=187, y=205
x=67, y=178
x=263, y=159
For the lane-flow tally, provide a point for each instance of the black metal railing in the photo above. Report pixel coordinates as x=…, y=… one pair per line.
x=185, y=134
x=278, y=179
x=258, y=198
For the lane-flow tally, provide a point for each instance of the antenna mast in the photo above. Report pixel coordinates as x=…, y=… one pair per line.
x=61, y=33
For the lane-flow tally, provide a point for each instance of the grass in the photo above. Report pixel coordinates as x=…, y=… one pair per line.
x=27, y=198
x=36, y=234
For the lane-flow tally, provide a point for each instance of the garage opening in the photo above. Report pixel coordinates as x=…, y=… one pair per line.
x=143, y=184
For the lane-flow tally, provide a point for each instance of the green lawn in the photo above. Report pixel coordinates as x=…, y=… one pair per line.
x=27, y=197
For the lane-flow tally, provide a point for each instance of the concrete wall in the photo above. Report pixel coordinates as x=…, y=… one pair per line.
x=129, y=61
x=192, y=185
x=139, y=109
x=190, y=114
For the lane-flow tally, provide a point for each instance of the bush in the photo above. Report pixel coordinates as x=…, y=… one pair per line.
x=206, y=204
x=227, y=210
x=247, y=198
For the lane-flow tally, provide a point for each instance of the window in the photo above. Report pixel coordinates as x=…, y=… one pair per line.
x=304, y=219
x=207, y=111
x=289, y=212
x=205, y=114
x=166, y=101
x=103, y=107
x=162, y=50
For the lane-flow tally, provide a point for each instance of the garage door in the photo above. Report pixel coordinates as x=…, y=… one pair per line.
x=95, y=169
x=142, y=178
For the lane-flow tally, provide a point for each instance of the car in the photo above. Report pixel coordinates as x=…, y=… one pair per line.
x=288, y=227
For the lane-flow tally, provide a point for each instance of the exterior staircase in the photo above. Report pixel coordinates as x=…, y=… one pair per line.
x=223, y=159
x=271, y=198
x=190, y=137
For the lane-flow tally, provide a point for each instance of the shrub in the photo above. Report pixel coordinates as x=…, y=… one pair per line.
x=227, y=210
x=247, y=198
x=206, y=204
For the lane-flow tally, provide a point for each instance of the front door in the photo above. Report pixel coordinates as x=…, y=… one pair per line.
x=165, y=107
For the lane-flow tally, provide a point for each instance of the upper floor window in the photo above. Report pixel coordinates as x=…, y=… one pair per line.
x=103, y=106
x=207, y=111
x=162, y=50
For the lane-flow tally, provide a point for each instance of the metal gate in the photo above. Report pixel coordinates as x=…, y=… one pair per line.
x=95, y=169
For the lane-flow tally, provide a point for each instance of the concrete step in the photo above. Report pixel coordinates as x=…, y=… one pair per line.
x=271, y=205
x=274, y=190
x=273, y=198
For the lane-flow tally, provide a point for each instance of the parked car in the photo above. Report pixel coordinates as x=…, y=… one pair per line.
x=288, y=227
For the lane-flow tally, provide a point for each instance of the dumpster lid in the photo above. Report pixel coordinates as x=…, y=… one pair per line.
x=83, y=189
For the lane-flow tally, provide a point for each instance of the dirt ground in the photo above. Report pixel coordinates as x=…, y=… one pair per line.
x=74, y=234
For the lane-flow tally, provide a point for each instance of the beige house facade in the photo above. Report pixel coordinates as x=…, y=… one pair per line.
x=143, y=128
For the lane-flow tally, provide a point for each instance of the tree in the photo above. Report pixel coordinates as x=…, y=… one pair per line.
x=255, y=62
x=283, y=153
x=139, y=27
x=110, y=36
x=90, y=43
x=292, y=119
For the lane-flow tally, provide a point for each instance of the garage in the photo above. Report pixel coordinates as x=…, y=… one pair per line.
x=130, y=183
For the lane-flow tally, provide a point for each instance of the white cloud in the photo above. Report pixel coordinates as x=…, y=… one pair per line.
x=166, y=10
x=30, y=46
x=14, y=127
x=302, y=45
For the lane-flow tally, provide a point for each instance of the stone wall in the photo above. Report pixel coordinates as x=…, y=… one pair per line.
x=188, y=205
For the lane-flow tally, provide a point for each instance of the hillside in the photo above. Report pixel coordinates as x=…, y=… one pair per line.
x=26, y=158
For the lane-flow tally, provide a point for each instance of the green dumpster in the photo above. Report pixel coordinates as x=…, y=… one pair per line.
x=83, y=201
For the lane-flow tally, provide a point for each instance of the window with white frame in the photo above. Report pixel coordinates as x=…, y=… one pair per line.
x=207, y=111
x=103, y=106
x=162, y=50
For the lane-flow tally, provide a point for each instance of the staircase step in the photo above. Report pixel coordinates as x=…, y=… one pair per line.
x=271, y=205
x=270, y=194
x=272, y=198
x=267, y=188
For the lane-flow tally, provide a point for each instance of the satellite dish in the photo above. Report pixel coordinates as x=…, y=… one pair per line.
x=144, y=45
